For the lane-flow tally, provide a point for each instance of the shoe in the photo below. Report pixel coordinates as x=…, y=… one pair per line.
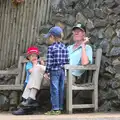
x=53, y=112
x=22, y=103
x=29, y=102
x=23, y=111
x=20, y=111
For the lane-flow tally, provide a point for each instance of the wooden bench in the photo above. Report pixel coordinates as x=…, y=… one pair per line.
x=19, y=73
x=92, y=85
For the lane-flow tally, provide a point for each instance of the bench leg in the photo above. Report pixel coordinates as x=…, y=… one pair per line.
x=69, y=92
x=95, y=100
x=69, y=101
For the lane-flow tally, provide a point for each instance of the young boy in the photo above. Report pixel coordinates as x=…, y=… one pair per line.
x=57, y=57
x=34, y=76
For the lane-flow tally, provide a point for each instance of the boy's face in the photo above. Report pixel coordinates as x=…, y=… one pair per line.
x=51, y=39
x=33, y=57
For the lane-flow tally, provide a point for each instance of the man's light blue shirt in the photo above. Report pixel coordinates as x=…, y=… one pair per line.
x=75, y=57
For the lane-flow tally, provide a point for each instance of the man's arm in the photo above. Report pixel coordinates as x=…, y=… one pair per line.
x=86, y=56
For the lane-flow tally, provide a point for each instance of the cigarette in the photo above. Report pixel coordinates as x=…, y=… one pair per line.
x=89, y=37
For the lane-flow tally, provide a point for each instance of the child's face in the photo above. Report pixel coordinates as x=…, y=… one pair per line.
x=51, y=40
x=33, y=57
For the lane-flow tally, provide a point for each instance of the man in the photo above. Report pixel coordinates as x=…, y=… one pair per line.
x=79, y=53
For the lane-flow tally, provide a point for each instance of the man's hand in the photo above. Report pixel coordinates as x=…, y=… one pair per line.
x=46, y=76
x=86, y=40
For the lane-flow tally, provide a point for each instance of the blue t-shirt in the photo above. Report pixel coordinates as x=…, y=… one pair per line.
x=75, y=57
x=29, y=65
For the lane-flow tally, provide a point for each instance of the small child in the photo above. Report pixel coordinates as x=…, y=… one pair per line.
x=57, y=57
x=34, y=76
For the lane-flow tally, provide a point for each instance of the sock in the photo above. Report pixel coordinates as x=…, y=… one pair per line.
x=33, y=93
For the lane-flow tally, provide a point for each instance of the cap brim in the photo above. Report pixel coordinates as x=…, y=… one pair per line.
x=47, y=35
x=78, y=28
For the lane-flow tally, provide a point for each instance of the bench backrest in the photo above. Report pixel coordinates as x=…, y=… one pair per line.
x=20, y=71
x=88, y=76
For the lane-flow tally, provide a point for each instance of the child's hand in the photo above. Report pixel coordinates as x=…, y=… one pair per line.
x=42, y=62
x=34, y=61
x=46, y=76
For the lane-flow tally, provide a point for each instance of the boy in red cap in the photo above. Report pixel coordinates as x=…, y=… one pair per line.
x=34, y=77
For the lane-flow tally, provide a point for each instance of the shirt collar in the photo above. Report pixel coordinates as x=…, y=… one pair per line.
x=76, y=48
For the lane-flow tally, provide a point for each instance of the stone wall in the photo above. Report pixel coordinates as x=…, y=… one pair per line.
x=102, y=19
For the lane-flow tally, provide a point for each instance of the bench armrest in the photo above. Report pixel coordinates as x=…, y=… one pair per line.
x=80, y=67
x=9, y=72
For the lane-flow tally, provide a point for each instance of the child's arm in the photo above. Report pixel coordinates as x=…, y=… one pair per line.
x=30, y=66
x=30, y=70
x=46, y=76
x=49, y=60
x=49, y=63
x=42, y=62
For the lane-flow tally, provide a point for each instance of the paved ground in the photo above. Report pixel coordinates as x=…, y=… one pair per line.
x=90, y=116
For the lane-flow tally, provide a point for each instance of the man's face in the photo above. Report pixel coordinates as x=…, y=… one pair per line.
x=78, y=35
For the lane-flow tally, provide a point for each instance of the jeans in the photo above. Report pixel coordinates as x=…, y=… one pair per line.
x=57, y=88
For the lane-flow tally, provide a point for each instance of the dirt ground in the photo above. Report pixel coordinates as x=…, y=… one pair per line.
x=89, y=116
